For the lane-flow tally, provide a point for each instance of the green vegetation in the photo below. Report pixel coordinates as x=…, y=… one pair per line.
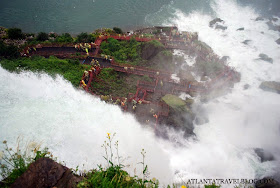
x=15, y=33
x=212, y=186
x=155, y=43
x=111, y=82
x=14, y=163
x=174, y=101
x=64, y=38
x=8, y=51
x=118, y=30
x=84, y=37
x=114, y=176
x=123, y=51
x=42, y=36
x=70, y=69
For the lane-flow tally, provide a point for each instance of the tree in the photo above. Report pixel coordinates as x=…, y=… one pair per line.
x=65, y=37
x=15, y=33
x=9, y=51
x=118, y=30
x=42, y=36
x=84, y=37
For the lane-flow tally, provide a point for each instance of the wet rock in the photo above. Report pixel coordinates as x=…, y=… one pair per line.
x=271, y=86
x=199, y=120
x=180, y=114
x=273, y=19
x=278, y=41
x=264, y=155
x=259, y=19
x=240, y=29
x=246, y=42
x=213, y=22
x=273, y=27
x=46, y=173
x=225, y=58
x=221, y=27
x=246, y=86
x=265, y=57
x=150, y=50
x=267, y=182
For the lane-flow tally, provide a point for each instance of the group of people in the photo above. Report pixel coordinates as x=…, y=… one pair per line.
x=94, y=67
x=84, y=47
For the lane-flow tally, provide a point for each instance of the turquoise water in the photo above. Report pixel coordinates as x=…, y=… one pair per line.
x=75, y=16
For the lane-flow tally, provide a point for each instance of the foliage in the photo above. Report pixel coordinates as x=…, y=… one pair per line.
x=70, y=69
x=112, y=82
x=212, y=186
x=42, y=36
x=29, y=34
x=14, y=163
x=65, y=37
x=155, y=43
x=122, y=51
x=118, y=30
x=15, y=33
x=8, y=51
x=114, y=176
x=84, y=37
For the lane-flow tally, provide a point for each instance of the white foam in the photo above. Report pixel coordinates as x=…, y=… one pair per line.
x=243, y=119
x=73, y=124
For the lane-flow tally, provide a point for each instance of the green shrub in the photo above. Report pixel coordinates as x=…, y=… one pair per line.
x=212, y=186
x=70, y=69
x=65, y=37
x=15, y=33
x=14, y=163
x=155, y=43
x=112, y=82
x=84, y=37
x=118, y=30
x=8, y=51
x=114, y=176
x=122, y=51
x=42, y=36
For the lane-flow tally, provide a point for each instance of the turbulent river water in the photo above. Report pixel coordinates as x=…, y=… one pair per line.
x=74, y=124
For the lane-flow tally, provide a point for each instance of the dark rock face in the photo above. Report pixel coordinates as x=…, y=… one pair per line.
x=149, y=51
x=240, y=29
x=213, y=22
x=246, y=42
x=264, y=156
x=246, y=86
x=225, y=58
x=259, y=19
x=271, y=86
x=46, y=173
x=278, y=41
x=265, y=57
x=221, y=27
x=200, y=120
x=267, y=183
x=273, y=27
x=273, y=19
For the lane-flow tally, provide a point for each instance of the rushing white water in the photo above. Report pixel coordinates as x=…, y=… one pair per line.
x=243, y=119
x=74, y=124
